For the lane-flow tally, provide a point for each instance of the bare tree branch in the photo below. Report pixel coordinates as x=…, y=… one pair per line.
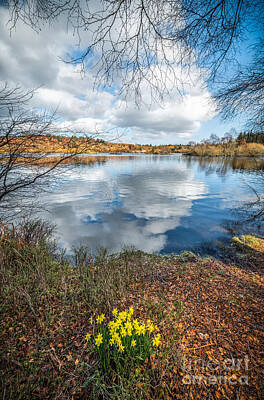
x=245, y=94
x=153, y=44
x=21, y=146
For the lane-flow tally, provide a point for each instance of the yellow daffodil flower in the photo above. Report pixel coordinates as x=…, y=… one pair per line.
x=99, y=339
x=121, y=348
x=118, y=322
x=131, y=311
x=100, y=319
x=151, y=328
x=115, y=312
x=129, y=329
x=135, y=323
x=123, y=332
x=142, y=329
x=156, y=340
x=87, y=337
x=122, y=315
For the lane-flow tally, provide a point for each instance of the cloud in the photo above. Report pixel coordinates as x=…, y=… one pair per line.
x=32, y=60
x=175, y=117
x=178, y=116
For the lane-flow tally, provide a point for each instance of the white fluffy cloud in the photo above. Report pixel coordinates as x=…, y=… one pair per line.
x=181, y=117
x=32, y=60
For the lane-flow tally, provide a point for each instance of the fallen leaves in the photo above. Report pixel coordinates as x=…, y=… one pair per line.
x=207, y=311
x=221, y=319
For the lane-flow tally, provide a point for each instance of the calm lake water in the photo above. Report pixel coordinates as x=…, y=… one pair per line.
x=158, y=204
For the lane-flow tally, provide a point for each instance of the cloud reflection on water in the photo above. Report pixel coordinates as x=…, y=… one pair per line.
x=124, y=203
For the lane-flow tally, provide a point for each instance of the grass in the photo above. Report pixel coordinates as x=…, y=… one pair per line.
x=45, y=307
x=204, y=308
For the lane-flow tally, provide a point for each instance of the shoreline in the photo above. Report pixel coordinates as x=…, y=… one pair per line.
x=107, y=154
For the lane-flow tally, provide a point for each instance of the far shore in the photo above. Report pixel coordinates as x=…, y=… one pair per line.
x=86, y=145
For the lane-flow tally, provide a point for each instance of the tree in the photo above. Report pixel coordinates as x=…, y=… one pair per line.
x=21, y=129
x=214, y=139
x=158, y=42
x=251, y=137
x=228, y=137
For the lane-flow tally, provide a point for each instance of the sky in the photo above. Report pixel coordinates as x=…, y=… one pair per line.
x=33, y=60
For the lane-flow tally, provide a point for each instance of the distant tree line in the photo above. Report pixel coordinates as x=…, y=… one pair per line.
x=231, y=137
x=230, y=144
x=251, y=137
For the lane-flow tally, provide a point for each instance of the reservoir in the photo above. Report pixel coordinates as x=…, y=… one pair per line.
x=155, y=203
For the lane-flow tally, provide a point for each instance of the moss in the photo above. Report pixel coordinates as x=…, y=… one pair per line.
x=250, y=241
